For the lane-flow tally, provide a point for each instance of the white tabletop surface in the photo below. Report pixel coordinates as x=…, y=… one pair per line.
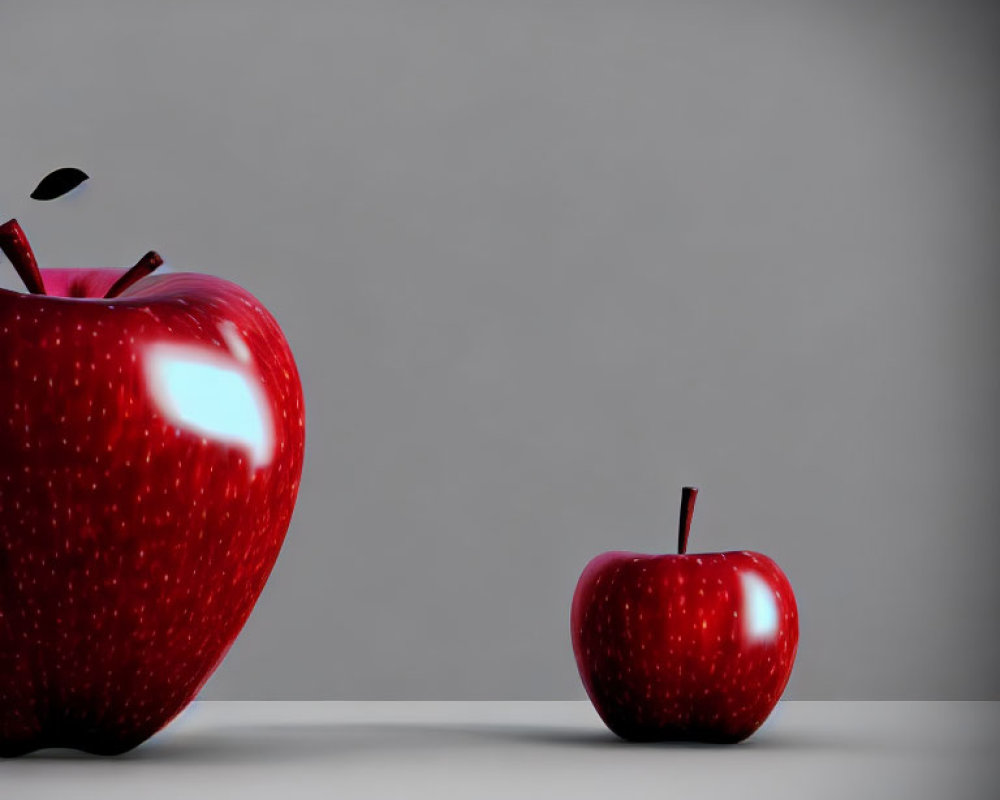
x=515, y=750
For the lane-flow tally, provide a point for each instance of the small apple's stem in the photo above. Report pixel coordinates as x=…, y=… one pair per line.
x=688, y=495
x=144, y=266
x=15, y=245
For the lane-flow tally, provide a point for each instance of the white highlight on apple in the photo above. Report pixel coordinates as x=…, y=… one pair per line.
x=238, y=347
x=760, y=610
x=212, y=394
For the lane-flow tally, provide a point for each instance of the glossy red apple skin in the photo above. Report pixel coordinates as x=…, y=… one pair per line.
x=132, y=547
x=674, y=647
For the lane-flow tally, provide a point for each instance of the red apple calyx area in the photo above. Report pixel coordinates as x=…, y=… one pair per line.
x=15, y=245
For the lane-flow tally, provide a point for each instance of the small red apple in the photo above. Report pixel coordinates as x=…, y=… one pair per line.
x=684, y=647
x=151, y=445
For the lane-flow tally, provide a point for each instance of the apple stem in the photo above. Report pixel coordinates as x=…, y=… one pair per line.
x=688, y=495
x=143, y=267
x=15, y=245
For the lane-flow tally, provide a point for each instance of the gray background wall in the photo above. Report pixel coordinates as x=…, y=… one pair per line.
x=544, y=263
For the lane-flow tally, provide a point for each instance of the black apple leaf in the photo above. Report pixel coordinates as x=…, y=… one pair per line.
x=58, y=183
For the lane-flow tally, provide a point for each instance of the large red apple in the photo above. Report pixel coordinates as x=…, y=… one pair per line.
x=151, y=444
x=684, y=647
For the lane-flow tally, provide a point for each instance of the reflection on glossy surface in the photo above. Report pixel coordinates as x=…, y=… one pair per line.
x=238, y=347
x=760, y=611
x=204, y=391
